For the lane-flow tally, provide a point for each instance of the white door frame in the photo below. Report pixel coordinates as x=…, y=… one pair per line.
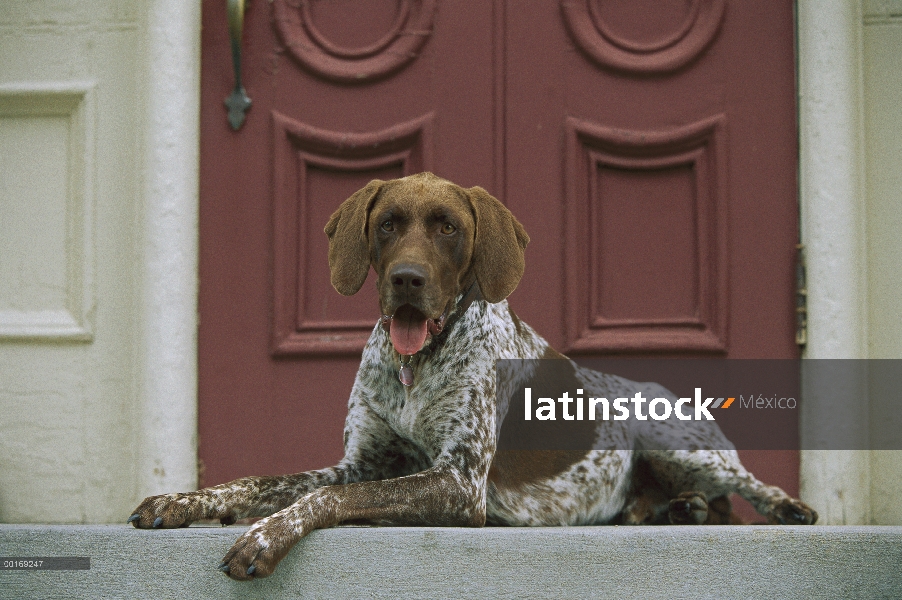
x=832, y=203
x=167, y=359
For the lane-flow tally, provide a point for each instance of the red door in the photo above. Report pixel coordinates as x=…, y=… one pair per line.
x=648, y=146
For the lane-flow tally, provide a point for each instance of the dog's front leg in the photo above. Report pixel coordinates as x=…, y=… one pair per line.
x=368, y=441
x=238, y=499
x=439, y=496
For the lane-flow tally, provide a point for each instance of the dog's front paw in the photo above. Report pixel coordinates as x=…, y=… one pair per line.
x=791, y=512
x=170, y=510
x=689, y=508
x=260, y=549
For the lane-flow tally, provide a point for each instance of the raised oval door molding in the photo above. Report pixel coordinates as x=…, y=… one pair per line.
x=666, y=51
x=410, y=28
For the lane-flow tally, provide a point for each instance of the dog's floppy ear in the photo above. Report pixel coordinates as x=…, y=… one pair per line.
x=349, y=253
x=498, y=259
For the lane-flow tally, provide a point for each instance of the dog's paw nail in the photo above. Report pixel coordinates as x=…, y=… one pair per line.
x=224, y=567
x=680, y=507
x=157, y=522
x=133, y=518
x=251, y=569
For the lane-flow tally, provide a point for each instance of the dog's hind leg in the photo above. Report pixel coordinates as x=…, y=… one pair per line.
x=716, y=474
x=649, y=504
x=694, y=456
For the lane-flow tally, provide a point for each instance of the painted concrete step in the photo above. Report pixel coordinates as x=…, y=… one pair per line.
x=424, y=562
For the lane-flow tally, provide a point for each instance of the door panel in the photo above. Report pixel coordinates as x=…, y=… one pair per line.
x=649, y=148
x=653, y=162
x=665, y=200
x=312, y=167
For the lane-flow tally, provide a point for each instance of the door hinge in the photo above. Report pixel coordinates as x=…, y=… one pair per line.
x=801, y=298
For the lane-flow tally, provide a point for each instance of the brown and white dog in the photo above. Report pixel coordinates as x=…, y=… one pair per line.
x=424, y=452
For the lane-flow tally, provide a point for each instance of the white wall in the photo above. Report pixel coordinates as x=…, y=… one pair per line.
x=882, y=57
x=86, y=197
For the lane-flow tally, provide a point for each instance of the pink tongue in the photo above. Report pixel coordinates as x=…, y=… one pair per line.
x=408, y=330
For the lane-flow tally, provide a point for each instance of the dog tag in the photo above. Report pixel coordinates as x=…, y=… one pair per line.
x=406, y=375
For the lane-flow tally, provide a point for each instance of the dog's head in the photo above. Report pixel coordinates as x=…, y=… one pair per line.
x=427, y=239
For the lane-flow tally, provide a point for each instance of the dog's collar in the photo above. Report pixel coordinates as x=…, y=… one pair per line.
x=436, y=328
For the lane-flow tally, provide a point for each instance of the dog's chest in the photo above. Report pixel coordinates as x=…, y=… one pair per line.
x=402, y=409
x=406, y=413
x=422, y=412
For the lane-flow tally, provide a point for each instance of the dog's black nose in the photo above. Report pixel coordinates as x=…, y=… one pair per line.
x=408, y=276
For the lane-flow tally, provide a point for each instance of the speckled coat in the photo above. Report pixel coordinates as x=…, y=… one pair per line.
x=427, y=454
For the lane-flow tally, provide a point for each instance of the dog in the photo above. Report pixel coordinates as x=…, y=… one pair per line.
x=421, y=435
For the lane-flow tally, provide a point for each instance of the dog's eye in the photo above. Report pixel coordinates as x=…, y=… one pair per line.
x=448, y=228
x=387, y=225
